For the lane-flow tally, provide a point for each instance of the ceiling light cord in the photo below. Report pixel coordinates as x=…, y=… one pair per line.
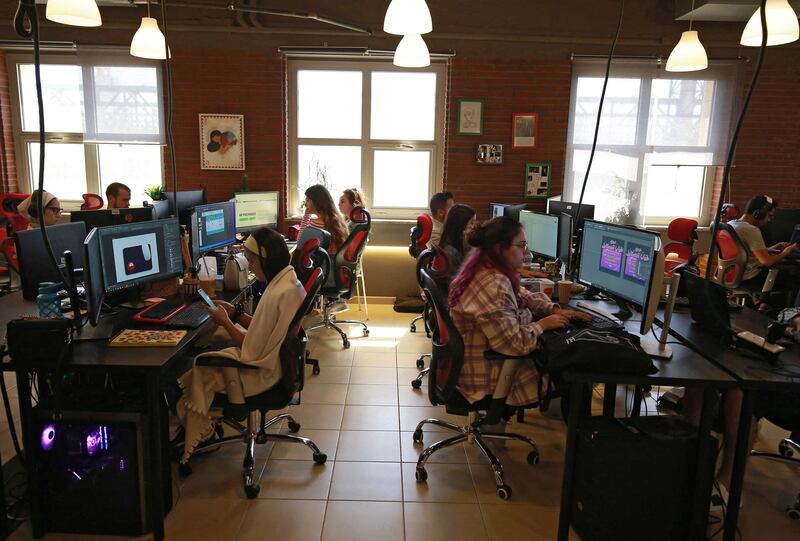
x=169, y=112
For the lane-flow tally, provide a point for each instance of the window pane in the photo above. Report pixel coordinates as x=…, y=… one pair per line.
x=401, y=178
x=126, y=100
x=335, y=167
x=680, y=112
x=403, y=106
x=329, y=104
x=612, y=187
x=62, y=93
x=136, y=166
x=674, y=183
x=64, y=169
x=620, y=111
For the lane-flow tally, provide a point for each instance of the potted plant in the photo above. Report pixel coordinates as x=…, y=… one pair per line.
x=156, y=193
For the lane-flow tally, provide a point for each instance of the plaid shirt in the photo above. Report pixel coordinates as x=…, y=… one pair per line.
x=488, y=317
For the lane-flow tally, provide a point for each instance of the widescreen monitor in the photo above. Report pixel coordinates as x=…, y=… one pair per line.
x=565, y=233
x=541, y=232
x=512, y=211
x=586, y=212
x=496, y=209
x=187, y=200
x=139, y=253
x=106, y=217
x=256, y=209
x=34, y=260
x=93, y=276
x=213, y=226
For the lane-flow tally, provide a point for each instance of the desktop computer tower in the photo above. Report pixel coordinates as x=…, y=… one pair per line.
x=89, y=471
x=634, y=478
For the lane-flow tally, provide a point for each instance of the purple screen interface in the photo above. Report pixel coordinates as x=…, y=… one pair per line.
x=611, y=255
x=637, y=263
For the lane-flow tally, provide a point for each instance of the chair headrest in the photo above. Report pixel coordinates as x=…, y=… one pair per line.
x=360, y=215
x=92, y=201
x=425, y=225
x=682, y=230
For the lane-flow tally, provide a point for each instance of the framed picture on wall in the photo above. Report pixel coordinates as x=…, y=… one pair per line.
x=525, y=130
x=221, y=141
x=489, y=154
x=470, y=116
x=537, y=180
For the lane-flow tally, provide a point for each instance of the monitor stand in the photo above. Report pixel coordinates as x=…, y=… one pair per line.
x=87, y=333
x=624, y=311
x=657, y=347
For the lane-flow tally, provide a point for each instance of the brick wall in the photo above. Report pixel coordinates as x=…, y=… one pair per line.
x=8, y=163
x=507, y=86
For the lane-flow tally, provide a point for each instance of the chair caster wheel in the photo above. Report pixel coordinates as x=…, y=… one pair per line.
x=346, y=343
x=184, y=470
x=785, y=450
x=320, y=458
x=294, y=427
x=421, y=475
x=504, y=491
x=415, y=383
x=533, y=457
x=420, y=364
x=252, y=491
x=261, y=438
x=366, y=332
x=793, y=513
x=417, y=437
x=315, y=370
x=413, y=328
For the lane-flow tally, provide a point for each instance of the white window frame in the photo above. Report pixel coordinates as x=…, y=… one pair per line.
x=367, y=145
x=22, y=139
x=724, y=76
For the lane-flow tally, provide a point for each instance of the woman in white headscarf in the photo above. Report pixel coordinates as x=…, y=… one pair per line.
x=52, y=209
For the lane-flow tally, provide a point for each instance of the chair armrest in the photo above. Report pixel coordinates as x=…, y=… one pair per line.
x=222, y=362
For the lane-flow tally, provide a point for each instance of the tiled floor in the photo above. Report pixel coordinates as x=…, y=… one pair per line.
x=361, y=411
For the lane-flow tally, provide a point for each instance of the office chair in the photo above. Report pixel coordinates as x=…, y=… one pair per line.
x=730, y=255
x=437, y=263
x=285, y=393
x=92, y=201
x=356, y=216
x=446, y=362
x=11, y=221
x=682, y=232
x=307, y=258
x=344, y=278
x=420, y=236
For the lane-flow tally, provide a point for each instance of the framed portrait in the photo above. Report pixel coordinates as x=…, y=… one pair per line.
x=470, y=116
x=221, y=141
x=489, y=154
x=525, y=130
x=537, y=180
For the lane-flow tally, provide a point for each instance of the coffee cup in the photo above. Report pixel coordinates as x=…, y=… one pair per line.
x=209, y=286
x=564, y=291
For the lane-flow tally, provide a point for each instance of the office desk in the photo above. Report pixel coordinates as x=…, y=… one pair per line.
x=150, y=363
x=687, y=368
x=753, y=374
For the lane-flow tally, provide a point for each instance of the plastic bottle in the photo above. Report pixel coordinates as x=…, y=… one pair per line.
x=48, y=300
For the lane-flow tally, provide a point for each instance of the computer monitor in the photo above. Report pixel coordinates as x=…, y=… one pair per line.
x=496, y=209
x=586, y=212
x=161, y=209
x=541, y=232
x=139, y=253
x=565, y=238
x=93, y=276
x=626, y=264
x=780, y=228
x=106, y=217
x=512, y=211
x=213, y=226
x=187, y=200
x=256, y=209
x=34, y=259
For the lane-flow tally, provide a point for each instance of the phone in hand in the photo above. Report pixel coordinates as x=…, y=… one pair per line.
x=206, y=298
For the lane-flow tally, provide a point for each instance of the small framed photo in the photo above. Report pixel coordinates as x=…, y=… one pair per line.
x=537, y=180
x=470, y=116
x=221, y=141
x=489, y=154
x=525, y=130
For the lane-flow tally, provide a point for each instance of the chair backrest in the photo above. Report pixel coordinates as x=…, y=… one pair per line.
x=309, y=256
x=447, y=355
x=92, y=201
x=361, y=215
x=8, y=207
x=730, y=254
x=436, y=263
x=349, y=254
x=682, y=232
x=420, y=235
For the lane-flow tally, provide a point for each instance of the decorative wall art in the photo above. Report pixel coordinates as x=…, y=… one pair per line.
x=221, y=141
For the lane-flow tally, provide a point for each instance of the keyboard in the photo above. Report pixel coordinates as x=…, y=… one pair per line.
x=190, y=317
x=596, y=323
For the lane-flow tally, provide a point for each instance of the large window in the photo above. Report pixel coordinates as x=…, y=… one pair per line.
x=367, y=125
x=103, y=123
x=661, y=136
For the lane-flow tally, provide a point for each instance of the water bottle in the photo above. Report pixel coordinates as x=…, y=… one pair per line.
x=48, y=300
x=527, y=259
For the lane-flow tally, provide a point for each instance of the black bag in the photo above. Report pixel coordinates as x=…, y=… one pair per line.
x=39, y=340
x=591, y=350
x=409, y=305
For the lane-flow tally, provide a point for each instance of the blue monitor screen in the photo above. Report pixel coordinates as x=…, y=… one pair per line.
x=541, y=232
x=618, y=260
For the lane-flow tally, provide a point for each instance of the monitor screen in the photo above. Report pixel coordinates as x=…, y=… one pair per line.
x=93, y=275
x=256, y=209
x=512, y=211
x=557, y=207
x=541, y=232
x=139, y=253
x=106, y=217
x=496, y=209
x=213, y=225
x=187, y=200
x=564, y=237
x=619, y=260
x=34, y=260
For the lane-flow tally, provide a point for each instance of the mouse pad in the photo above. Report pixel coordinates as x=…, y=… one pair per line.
x=137, y=259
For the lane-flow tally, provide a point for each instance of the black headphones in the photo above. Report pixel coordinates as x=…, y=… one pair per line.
x=259, y=235
x=762, y=212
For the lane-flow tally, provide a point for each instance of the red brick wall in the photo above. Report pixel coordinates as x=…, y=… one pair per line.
x=8, y=163
x=507, y=86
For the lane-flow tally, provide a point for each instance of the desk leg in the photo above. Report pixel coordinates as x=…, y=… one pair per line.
x=28, y=445
x=567, y=484
x=706, y=451
x=739, y=463
x=156, y=496
x=638, y=396
x=609, y=399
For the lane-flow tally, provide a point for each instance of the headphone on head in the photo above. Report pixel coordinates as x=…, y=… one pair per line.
x=259, y=236
x=762, y=211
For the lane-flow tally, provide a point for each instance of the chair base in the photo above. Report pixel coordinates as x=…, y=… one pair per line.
x=786, y=451
x=472, y=432
x=329, y=321
x=416, y=383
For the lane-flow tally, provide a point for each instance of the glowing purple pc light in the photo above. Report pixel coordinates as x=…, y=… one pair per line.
x=48, y=437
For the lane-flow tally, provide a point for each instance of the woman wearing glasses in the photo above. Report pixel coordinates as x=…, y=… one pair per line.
x=52, y=209
x=492, y=311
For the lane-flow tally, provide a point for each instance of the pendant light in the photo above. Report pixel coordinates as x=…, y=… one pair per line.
x=782, y=25
x=689, y=54
x=404, y=17
x=148, y=41
x=73, y=12
x=412, y=52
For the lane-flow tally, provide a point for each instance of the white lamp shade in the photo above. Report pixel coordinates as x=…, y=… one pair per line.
x=148, y=41
x=782, y=25
x=688, y=54
x=412, y=52
x=404, y=17
x=73, y=12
